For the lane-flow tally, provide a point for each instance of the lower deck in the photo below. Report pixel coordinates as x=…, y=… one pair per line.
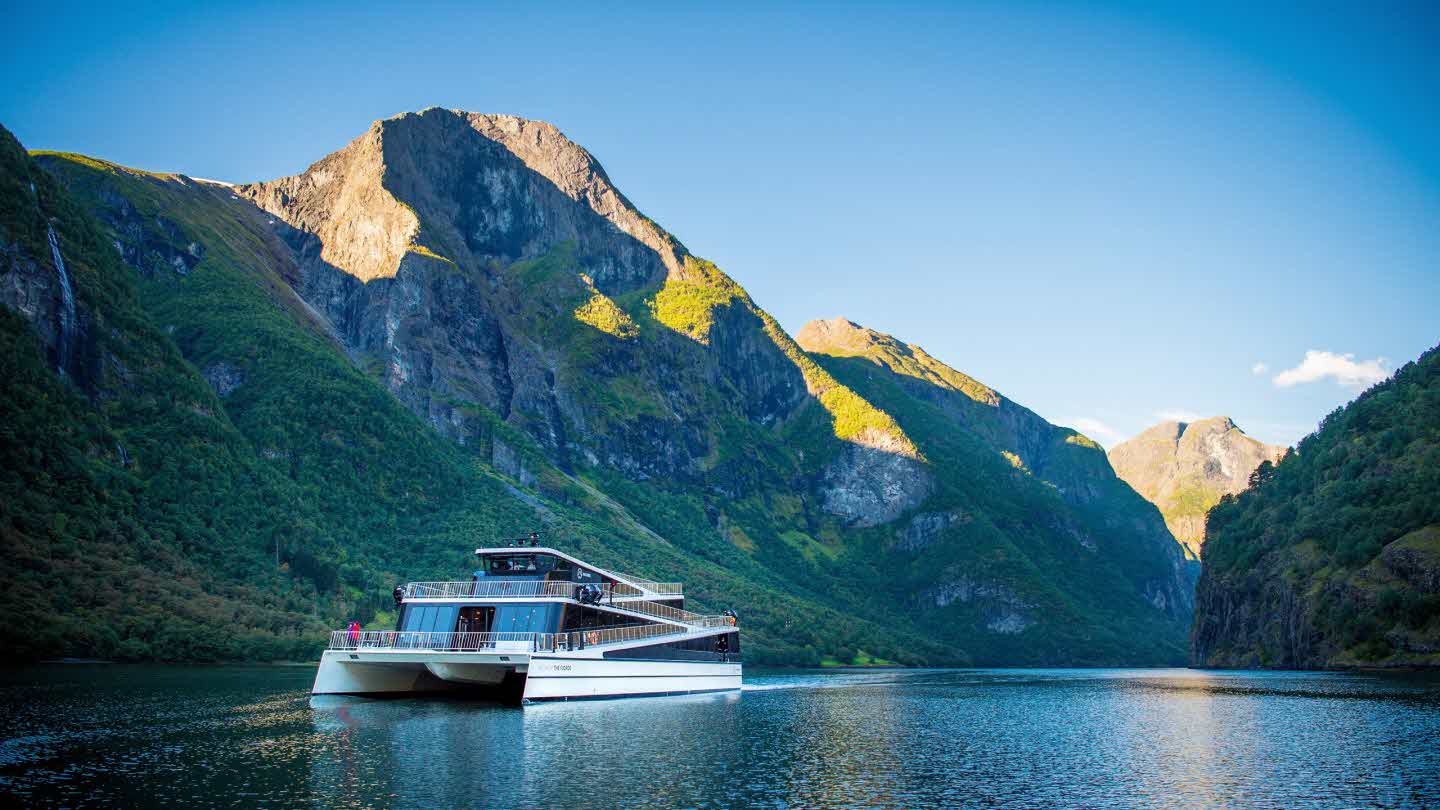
x=523, y=667
x=517, y=677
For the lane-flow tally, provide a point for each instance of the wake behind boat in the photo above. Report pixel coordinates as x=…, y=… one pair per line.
x=532, y=624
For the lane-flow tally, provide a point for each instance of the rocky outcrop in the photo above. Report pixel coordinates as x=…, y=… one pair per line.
x=1185, y=467
x=1000, y=609
x=868, y=486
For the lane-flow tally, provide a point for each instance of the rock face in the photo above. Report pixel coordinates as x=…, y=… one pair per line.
x=997, y=463
x=1184, y=468
x=471, y=256
x=1331, y=558
x=35, y=282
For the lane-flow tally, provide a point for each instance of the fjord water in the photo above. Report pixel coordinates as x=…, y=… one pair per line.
x=245, y=736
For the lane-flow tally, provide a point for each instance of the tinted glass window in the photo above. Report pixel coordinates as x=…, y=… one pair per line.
x=535, y=618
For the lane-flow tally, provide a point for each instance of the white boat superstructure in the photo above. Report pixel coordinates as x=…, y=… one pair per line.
x=532, y=624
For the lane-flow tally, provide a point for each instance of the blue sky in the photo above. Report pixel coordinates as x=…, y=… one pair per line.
x=1109, y=212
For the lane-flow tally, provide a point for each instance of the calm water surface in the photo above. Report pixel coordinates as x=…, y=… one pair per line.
x=251, y=736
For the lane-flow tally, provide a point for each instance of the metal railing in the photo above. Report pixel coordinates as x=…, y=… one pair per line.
x=448, y=642
x=514, y=642
x=672, y=614
x=502, y=588
x=531, y=587
x=486, y=589
x=657, y=588
x=599, y=637
x=528, y=588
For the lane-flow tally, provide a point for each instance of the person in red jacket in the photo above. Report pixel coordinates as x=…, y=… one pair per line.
x=355, y=633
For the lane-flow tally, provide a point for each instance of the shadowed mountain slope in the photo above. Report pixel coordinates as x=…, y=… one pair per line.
x=1331, y=558
x=1029, y=534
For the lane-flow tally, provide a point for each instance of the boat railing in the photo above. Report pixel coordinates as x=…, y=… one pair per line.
x=674, y=614
x=599, y=637
x=503, y=588
x=657, y=588
x=411, y=640
x=514, y=642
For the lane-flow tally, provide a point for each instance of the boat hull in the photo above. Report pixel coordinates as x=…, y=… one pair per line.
x=527, y=678
x=565, y=678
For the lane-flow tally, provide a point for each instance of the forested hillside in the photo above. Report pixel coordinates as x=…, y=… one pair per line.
x=215, y=480
x=1332, y=557
x=1030, y=541
x=455, y=329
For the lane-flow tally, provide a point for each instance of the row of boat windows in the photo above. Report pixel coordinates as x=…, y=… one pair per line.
x=520, y=618
x=724, y=647
x=528, y=566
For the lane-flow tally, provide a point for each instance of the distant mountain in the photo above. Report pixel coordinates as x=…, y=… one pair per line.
x=1332, y=557
x=455, y=328
x=1185, y=467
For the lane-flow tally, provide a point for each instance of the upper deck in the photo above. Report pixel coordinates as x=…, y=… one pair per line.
x=546, y=564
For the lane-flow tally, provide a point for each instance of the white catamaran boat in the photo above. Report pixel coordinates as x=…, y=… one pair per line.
x=533, y=624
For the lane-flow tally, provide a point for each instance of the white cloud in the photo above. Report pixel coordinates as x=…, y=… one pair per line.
x=1095, y=429
x=1259, y=369
x=1346, y=371
x=1178, y=415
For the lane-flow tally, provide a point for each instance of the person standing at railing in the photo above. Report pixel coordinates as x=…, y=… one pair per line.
x=354, y=634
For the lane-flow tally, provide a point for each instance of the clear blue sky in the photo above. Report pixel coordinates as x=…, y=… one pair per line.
x=1106, y=211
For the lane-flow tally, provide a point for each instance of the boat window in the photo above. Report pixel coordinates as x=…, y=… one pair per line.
x=431, y=618
x=527, y=618
x=518, y=565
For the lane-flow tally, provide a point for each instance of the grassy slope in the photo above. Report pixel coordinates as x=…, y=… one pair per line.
x=1340, y=522
x=369, y=494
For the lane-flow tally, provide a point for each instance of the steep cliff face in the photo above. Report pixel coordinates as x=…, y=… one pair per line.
x=1331, y=558
x=1185, y=467
x=1028, y=529
x=35, y=281
x=487, y=264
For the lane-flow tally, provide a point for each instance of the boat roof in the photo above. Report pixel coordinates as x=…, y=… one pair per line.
x=641, y=585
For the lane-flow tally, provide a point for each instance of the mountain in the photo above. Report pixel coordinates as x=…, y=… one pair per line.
x=1028, y=534
x=455, y=328
x=1332, y=557
x=1185, y=467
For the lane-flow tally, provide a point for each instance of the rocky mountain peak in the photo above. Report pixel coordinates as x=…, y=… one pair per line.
x=1185, y=467
x=453, y=184
x=836, y=336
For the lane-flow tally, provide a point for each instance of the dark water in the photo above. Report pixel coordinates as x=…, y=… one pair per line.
x=250, y=736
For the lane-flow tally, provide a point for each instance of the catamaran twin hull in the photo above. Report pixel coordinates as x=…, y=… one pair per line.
x=537, y=624
x=510, y=674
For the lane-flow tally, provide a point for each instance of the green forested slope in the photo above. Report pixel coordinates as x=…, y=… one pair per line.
x=1332, y=557
x=147, y=516
x=1011, y=528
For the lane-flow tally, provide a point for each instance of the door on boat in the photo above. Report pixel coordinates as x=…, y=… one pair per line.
x=472, y=623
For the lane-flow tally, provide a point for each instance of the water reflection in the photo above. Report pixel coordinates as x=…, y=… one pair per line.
x=147, y=736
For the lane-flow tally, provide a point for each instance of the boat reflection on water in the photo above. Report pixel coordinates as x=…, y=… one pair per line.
x=465, y=753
